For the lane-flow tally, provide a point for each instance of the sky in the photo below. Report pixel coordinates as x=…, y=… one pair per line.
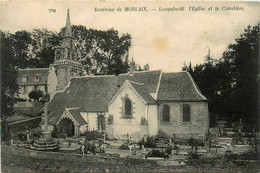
x=162, y=39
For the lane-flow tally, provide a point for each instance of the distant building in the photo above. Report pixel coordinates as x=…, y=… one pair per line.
x=43, y=79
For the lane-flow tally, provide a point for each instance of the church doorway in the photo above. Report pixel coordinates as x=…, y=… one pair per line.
x=66, y=126
x=101, y=122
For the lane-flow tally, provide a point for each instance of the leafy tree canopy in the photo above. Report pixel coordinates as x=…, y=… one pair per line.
x=9, y=87
x=101, y=52
x=232, y=83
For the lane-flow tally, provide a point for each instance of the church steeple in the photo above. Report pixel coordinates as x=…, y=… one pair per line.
x=132, y=66
x=66, y=64
x=68, y=29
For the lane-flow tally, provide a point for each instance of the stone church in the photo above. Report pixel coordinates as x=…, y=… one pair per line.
x=134, y=104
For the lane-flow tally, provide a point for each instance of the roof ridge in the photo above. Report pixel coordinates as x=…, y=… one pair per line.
x=139, y=72
x=135, y=82
x=111, y=75
x=92, y=76
x=72, y=108
x=34, y=69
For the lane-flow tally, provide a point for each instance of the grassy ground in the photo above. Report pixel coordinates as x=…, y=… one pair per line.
x=233, y=163
x=117, y=168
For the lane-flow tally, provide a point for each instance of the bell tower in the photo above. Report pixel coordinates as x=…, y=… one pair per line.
x=65, y=63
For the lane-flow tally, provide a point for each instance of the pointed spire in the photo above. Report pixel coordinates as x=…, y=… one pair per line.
x=68, y=29
x=132, y=66
x=68, y=18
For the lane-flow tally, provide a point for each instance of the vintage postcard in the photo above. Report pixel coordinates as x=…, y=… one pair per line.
x=109, y=86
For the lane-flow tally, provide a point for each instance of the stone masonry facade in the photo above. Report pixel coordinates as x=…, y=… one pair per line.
x=197, y=126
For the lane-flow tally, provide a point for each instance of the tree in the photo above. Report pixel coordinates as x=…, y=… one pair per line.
x=42, y=48
x=35, y=94
x=20, y=46
x=231, y=83
x=242, y=58
x=9, y=86
x=187, y=68
x=102, y=52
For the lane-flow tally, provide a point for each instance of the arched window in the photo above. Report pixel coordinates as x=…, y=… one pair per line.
x=186, y=113
x=128, y=108
x=166, y=113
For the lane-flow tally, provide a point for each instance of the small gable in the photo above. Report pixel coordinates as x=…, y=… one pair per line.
x=139, y=89
x=142, y=91
x=77, y=116
x=74, y=115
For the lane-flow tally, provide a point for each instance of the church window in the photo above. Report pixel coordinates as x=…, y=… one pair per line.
x=24, y=89
x=186, y=113
x=37, y=78
x=24, y=79
x=166, y=113
x=128, y=108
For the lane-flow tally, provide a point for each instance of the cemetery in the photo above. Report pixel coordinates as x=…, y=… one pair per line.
x=224, y=147
x=39, y=149
x=78, y=102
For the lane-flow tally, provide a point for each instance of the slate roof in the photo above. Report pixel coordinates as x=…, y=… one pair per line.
x=93, y=93
x=142, y=91
x=179, y=87
x=31, y=73
x=76, y=115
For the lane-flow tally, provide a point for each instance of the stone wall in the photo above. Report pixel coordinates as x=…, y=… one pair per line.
x=62, y=78
x=152, y=120
x=132, y=126
x=52, y=82
x=199, y=120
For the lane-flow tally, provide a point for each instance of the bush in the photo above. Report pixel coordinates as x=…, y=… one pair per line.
x=195, y=142
x=22, y=137
x=150, y=143
x=193, y=155
x=92, y=135
x=90, y=147
x=162, y=134
x=55, y=133
x=231, y=156
x=157, y=153
x=35, y=94
x=124, y=147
